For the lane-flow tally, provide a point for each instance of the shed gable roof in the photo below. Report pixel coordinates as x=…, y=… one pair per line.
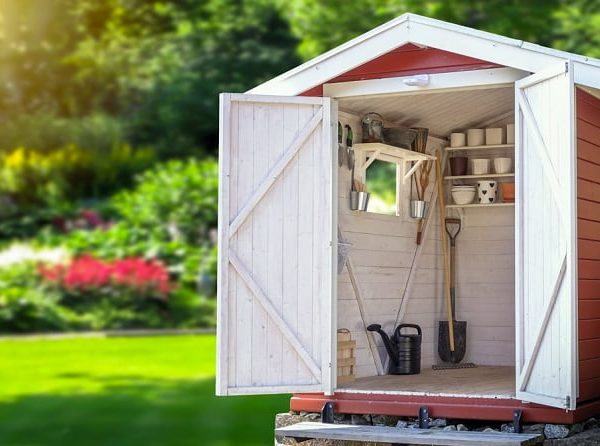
x=422, y=31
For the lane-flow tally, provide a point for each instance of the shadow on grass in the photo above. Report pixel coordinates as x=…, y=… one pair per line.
x=139, y=411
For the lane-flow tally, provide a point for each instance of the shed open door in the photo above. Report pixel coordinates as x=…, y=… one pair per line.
x=546, y=268
x=277, y=212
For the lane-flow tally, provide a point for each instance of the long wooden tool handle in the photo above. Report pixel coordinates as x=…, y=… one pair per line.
x=442, y=211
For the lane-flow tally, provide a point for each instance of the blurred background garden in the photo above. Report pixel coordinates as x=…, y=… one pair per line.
x=108, y=196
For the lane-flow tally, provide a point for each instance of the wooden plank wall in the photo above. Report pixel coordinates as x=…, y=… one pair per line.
x=588, y=227
x=485, y=290
x=383, y=250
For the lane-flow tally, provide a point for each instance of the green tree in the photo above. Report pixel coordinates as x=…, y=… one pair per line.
x=578, y=27
x=167, y=61
x=567, y=25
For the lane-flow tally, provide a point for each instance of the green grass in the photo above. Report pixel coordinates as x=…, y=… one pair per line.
x=124, y=391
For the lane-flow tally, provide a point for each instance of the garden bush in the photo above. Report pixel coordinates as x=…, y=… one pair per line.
x=89, y=294
x=35, y=178
x=175, y=200
x=25, y=307
x=145, y=260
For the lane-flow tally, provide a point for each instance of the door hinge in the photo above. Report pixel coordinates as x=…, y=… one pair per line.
x=566, y=67
x=567, y=403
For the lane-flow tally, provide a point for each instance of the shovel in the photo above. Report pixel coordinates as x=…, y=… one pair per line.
x=453, y=226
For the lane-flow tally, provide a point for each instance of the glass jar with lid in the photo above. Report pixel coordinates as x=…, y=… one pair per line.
x=372, y=127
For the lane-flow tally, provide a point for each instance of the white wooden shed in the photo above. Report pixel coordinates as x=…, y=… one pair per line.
x=528, y=272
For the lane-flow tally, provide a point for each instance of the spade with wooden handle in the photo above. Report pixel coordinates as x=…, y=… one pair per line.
x=442, y=210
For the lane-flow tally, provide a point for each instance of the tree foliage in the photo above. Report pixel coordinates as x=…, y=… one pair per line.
x=567, y=25
x=158, y=64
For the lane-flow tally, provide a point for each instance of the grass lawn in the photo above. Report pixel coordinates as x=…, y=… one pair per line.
x=124, y=391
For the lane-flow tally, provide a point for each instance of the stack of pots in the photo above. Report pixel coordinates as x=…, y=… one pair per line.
x=487, y=189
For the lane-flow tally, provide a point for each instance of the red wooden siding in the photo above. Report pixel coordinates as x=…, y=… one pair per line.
x=404, y=61
x=588, y=233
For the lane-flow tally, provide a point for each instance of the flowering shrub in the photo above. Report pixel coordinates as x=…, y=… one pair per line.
x=87, y=274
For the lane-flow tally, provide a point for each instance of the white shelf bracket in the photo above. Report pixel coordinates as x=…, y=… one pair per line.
x=371, y=160
x=406, y=175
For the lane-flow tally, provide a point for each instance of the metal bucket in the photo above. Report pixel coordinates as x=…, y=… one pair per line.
x=354, y=200
x=359, y=201
x=363, y=201
x=418, y=208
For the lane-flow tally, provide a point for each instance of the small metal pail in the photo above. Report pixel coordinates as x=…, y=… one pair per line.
x=418, y=208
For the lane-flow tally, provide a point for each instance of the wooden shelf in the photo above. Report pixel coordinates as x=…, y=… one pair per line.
x=479, y=205
x=379, y=149
x=473, y=177
x=485, y=147
x=392, y=154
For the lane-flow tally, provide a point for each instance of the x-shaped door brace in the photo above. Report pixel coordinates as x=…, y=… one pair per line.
x=244, y=273
x=267, y=305
x=275, y=172
x=549, y=173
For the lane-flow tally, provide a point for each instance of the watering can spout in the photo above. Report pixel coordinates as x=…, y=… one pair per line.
x=391, y=349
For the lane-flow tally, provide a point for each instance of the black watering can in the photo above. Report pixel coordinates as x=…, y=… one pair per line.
x=404, y=349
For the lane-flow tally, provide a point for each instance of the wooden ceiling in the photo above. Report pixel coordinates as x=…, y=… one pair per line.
x=442, y=112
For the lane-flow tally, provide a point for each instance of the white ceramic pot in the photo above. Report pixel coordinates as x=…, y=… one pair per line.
x=487, y=191
x=480, y=166
x=458, y=140
x=502, y=165
x=463, y=194
x=494, y=136
x=475, y=137
x=510, y=134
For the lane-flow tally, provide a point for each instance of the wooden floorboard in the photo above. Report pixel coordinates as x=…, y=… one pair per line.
x=484, y=381
x=403, y=435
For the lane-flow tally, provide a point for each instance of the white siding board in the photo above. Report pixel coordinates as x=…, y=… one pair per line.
x=260, y=225
x=243, y=246
x=274, y=228
x=291, y=189
x=306, y=216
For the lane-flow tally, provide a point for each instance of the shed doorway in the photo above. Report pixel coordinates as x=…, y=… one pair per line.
x=391, y=280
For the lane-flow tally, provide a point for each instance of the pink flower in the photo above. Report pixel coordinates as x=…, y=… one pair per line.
x=87, y=273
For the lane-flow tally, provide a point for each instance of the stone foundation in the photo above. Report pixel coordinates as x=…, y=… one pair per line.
x=581, y=434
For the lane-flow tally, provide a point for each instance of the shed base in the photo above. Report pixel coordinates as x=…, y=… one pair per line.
x=474, y=408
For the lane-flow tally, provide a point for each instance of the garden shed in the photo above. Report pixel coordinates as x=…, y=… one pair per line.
x=527, y=270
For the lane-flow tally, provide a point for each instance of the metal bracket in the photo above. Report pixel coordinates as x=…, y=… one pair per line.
x=424, y=417
x=518, y=421
x=327, y=413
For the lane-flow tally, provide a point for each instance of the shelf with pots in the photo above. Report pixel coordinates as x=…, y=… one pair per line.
x=480, y=147
x=480, y=176
x=480, y=205
x=460, y=179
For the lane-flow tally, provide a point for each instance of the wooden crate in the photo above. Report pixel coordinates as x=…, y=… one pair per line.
x=345, y=356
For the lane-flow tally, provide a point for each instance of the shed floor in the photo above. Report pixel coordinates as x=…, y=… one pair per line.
x=482, y=381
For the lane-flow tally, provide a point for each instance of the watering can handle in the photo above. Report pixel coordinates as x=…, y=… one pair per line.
x=401, y=326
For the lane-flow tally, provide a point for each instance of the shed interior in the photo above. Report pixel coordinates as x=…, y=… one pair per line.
x=390, y=279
